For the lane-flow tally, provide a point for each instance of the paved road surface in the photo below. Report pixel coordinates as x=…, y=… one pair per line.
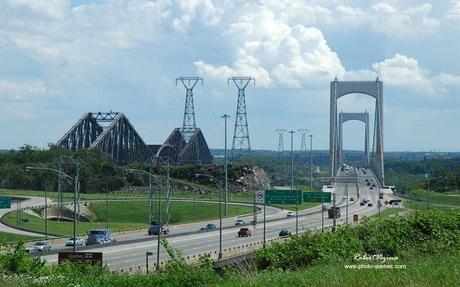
x=129, y=255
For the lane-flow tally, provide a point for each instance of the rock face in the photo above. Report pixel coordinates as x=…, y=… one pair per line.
x=252, y=179
x=249, y=179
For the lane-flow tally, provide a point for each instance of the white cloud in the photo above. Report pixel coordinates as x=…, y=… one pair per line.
x=454, y=11
x=14, y=91
x=203, y=10
x=402, y=71
x=274, y=52
x=448, y=79
x=19, y=99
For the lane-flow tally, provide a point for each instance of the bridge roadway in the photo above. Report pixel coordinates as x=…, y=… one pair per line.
x=123, y=256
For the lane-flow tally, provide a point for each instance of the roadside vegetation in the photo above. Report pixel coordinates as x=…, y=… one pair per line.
x=134, y=216
x=426, y=244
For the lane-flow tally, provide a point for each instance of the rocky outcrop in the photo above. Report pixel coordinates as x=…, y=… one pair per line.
x=251, y=179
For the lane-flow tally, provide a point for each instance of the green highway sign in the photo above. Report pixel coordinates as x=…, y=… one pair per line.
x=149, y=253
x=283, y=197
x=5, y=202
x=316, y=197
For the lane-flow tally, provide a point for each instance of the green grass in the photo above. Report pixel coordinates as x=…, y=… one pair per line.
x=389, y=211
x=11, y=237
x=249, y=197
x=447, y=198
x=423, y=206
x=302, y=206
x=425, y=271
x=127, y=216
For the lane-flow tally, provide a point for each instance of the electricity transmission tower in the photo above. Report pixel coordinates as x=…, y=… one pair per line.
x=303, y=143
x=241, y=142
x=189, y=124
x=280, y=132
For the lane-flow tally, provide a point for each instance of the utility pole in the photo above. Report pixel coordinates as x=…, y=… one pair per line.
x=225, y=117
x=241, y=141
x=60, y=195
x=189, y=124
x=107, y=204
x=334, y=220
x=292, y=182
x=303, y=143
x=311, y=162
x=346, y=190
x=280, y=133
x=150, y=196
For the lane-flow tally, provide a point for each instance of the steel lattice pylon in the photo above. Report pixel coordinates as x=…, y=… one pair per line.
x=303, y=143
x=241, y=143
x=280, y=133
x=189, y=124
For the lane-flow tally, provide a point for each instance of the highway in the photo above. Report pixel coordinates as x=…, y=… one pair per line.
x=30, y=201
x=124, y=256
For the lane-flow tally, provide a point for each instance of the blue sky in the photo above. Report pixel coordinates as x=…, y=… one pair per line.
x=62, y=58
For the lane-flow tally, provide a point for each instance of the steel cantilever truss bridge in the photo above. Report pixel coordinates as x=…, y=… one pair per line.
x=109, y=132
x=113, y=134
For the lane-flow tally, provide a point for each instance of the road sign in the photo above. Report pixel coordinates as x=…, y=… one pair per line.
x=260, y=196
x=5, y=202
x=386, y=202
x=283, y=197
x=355, y=217
x=316, y=197
x=149, y=253
x=94, y=258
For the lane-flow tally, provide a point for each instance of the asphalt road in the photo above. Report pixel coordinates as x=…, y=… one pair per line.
x=124, y=256
x=30, y=201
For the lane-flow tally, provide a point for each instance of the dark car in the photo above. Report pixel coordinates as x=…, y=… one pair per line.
x=368, y=183
x=208, y=227
x=362, y=203
x=284, y=232
x=352, y=199
x=371, y=187
x=369, y=204
x=333, y=212
x=155, y=228
x=244, y=232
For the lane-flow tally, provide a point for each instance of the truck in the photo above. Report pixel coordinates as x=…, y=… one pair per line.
x=333, y=212
x=99, y=236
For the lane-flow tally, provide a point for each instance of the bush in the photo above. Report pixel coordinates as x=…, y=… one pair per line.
x=424, y=233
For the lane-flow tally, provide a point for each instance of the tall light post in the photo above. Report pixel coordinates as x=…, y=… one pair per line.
x=151, y=176
x=292, y=182
x=76, y=187
x=311, y=162
x=225, y=117
x=219, y=183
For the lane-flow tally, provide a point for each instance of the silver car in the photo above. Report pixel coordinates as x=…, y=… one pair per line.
x=78, y=242
x=41, y=246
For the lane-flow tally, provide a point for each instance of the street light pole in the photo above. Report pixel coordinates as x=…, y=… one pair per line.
x=225, y=117
x=220, y=209
x=151, y=175
x=76, y=188
x=311, y=162
x=292, y=182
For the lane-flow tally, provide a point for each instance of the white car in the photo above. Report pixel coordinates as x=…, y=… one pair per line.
x=41, y=246
x=290, y=214
x=78, y=242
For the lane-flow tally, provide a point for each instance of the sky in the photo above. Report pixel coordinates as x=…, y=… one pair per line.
x=62, y=58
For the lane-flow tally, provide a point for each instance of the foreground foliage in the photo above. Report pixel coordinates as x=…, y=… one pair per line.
x=428, y=244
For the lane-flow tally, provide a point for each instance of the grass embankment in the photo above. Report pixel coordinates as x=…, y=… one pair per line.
x=127, y=215
x=445, y=198
x=389, y=211
x=10, y=237
x=247, y=197
x=424, y=251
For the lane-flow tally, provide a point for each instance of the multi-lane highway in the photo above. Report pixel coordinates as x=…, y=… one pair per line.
x=129, y=253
